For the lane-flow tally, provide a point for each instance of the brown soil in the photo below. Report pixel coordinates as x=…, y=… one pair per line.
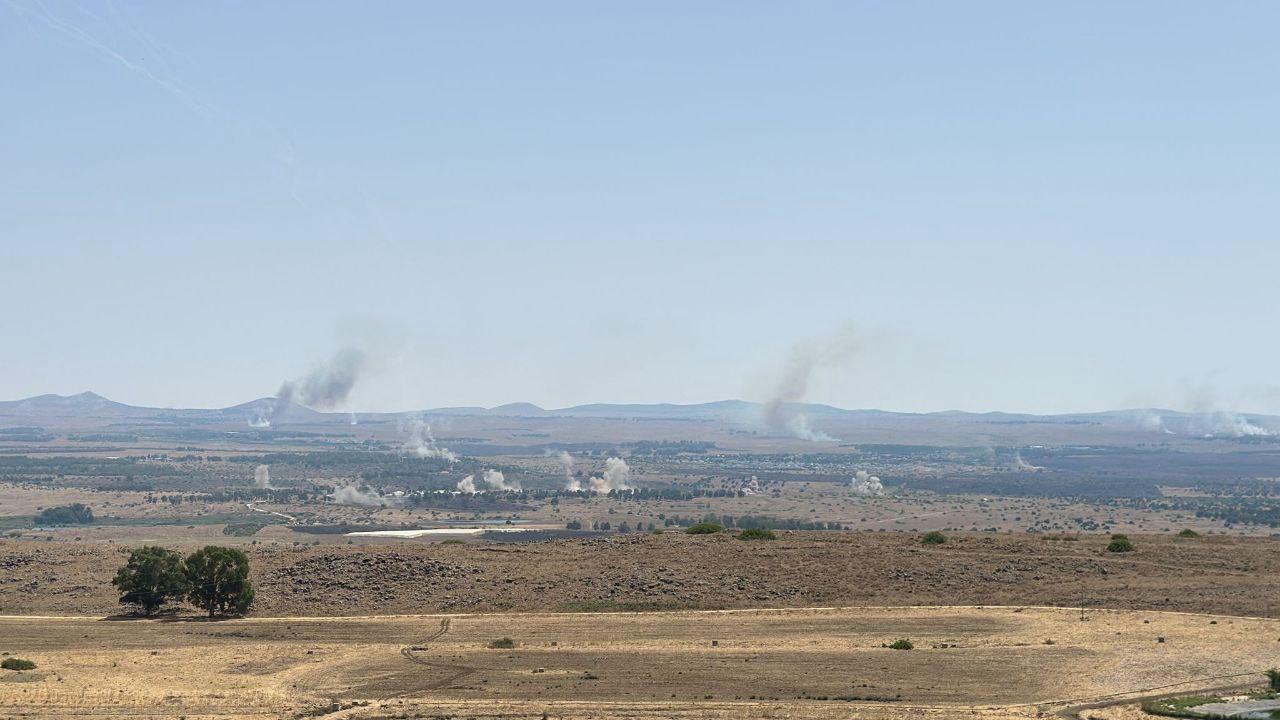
x=1235, y=576
x=803, y=663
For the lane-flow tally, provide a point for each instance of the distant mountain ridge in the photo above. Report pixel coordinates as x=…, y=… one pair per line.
x=91, y=404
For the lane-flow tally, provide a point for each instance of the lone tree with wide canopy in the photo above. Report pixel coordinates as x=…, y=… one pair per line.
x=152, y=577
x=218, y=580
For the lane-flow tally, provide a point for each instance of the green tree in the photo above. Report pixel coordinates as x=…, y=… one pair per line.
x=218, y=580
x=152, y=577
x=74, y=514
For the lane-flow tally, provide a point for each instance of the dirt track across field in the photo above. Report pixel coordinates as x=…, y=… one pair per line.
x=1000, y=662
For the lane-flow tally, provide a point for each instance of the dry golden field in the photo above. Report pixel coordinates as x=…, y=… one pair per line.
x=997, y=662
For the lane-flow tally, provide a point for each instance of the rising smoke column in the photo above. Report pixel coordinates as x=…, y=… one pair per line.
x=494, y=479
x=1226, y=424
x=616, y=475
x=422, y=443
x=498, y=482
x=864, y=484
x=352, y=495
x=262, y=477
x=566, y=465
x=1023, y=465
x=780, y=409
x=325, y=387
x=1151, y=421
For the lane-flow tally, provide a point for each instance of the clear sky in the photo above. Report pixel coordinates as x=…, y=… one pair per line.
x=1021, y=206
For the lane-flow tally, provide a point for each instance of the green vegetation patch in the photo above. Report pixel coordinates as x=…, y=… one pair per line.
x=933, y=538
x=1180, y=706
x=14, y=663
x=1120, y=544
x=757, y=534
x=74, y=514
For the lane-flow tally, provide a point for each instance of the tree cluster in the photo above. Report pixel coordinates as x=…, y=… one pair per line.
x=214, y=579
x=74, y=514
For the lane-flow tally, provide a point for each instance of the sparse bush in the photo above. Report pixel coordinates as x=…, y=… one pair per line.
x=704, y=528
x=17, y=664
x=757, y=534
x=901, y=644
x=1119, y=544
x=933, y=538
x=452, y=541
x=1188, y=533
x=1273, y=677
x=505, y=643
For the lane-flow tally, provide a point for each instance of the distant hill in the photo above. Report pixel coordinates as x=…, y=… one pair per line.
x=90, y=409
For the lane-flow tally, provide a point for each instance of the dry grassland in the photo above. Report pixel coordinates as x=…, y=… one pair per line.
x=799, y=663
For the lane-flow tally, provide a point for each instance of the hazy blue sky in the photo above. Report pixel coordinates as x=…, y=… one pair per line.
x=1022, y=205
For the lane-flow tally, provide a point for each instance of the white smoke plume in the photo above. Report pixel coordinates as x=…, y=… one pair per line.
x=326, y=386
x=616, y=475
x=354, y=420
x=259, y=420
x=566, y=466
x=352, y=495
x=751, y=486
x=1211, y=419
x=1226, y=424
x=262, y=477
x=494, y=479
x=422, y=443
x=1152, y=421
x=498, y=482
x=781, y=410
x=864, y=484
x=1023, y=465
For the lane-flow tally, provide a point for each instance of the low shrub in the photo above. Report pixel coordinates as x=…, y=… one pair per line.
x=704, y=528
x=452, y=541
x=1119, y=544
x=757, y=534
x=1189, y=533
x=933, y=538
x=901, y=644
x=505, y=643
x=17, y=664
x=1180, y=706
x=245, y=529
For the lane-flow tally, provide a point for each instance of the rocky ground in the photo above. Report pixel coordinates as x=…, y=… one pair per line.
x=1237, y=576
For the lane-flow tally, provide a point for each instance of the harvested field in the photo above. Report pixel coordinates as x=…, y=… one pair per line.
x=1228, y=575
x=800, y=663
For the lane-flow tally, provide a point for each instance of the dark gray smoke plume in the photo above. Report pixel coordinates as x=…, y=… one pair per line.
x=325, y=387
x=781, y=411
